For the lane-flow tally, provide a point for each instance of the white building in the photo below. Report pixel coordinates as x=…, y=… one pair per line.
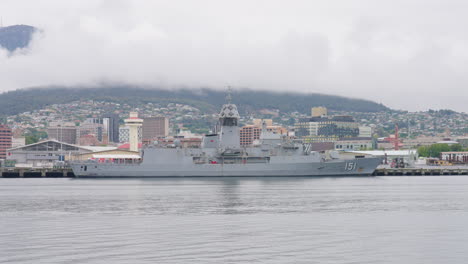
x=43, y=154
x=48, y=153
x=365, y=131
x=354, y=144
x=18, y=142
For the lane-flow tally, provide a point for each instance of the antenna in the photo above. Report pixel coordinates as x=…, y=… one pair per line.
x=229, y=95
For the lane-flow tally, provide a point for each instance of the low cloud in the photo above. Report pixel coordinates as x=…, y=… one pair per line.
x=405, y=54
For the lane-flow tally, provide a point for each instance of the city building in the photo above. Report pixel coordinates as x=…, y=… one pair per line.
x=155, y=127
x=322, y=146
x=89, y=140
x=326, y=129
x=456, y=157
x=250, y=133
x=93, y=126
x=318, y=111
x=48, y=153
x=111, y=124
x=66, y=132
x=421, y=141
x=105, y=129
x=43, y=154
x=18, y=142
x=388, y=143
x=358, y=143
x=5, y=140
x=365, y=131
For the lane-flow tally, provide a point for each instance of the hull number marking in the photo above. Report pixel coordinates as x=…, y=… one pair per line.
x=350, y=166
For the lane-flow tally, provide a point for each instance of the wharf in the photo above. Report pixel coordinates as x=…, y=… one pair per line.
x=422, y=171
x=35, y=172
x=67, y=172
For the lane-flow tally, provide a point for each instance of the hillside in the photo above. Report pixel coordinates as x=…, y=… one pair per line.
x=208, y=100
x=17, y=36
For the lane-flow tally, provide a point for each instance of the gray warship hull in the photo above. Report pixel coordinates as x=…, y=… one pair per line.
x=221, y=155
x=174, y=165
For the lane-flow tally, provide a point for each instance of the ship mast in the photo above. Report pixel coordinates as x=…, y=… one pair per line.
x=229, y=95
x=229, y=136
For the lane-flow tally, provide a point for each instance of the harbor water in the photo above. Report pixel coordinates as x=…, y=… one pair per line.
x=235, y=220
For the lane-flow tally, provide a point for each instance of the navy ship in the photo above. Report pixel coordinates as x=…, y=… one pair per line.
x=221, y=155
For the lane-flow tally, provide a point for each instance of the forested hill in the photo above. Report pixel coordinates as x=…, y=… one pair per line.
x=23, y=100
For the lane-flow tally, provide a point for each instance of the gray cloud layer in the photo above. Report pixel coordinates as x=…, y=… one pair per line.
x=406, y=54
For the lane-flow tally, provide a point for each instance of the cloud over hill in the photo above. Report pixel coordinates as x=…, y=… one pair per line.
x=405, y=54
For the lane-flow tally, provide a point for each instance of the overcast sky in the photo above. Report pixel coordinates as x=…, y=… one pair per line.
x=406, y=54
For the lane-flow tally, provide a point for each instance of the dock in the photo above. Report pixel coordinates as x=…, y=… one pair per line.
x=422, y=171
x=36, y=172
x=67, y=172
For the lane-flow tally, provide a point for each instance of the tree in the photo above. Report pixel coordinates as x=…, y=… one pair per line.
x=456, y=147
x=433, y=150
x=31, y=139
x=423, y=151
x=33, y=135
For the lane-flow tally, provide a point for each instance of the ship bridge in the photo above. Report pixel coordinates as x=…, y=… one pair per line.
x=228, y=119
x=229, y=115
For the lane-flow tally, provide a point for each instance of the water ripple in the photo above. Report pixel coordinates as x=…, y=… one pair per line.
x=299, y=220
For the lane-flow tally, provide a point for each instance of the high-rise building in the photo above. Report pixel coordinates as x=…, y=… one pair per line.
x=104, y=129
x=63, y=133
x=155, y=127
x=111, y=124
x=250, y=133
x=326, y=129
x=94, y=127
x=5, y=140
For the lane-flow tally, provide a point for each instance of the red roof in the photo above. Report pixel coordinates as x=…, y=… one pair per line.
x=127, y=146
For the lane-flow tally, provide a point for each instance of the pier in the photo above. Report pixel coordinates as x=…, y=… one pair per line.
x=422, y=171
x=67, y=172
x=36, y=172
